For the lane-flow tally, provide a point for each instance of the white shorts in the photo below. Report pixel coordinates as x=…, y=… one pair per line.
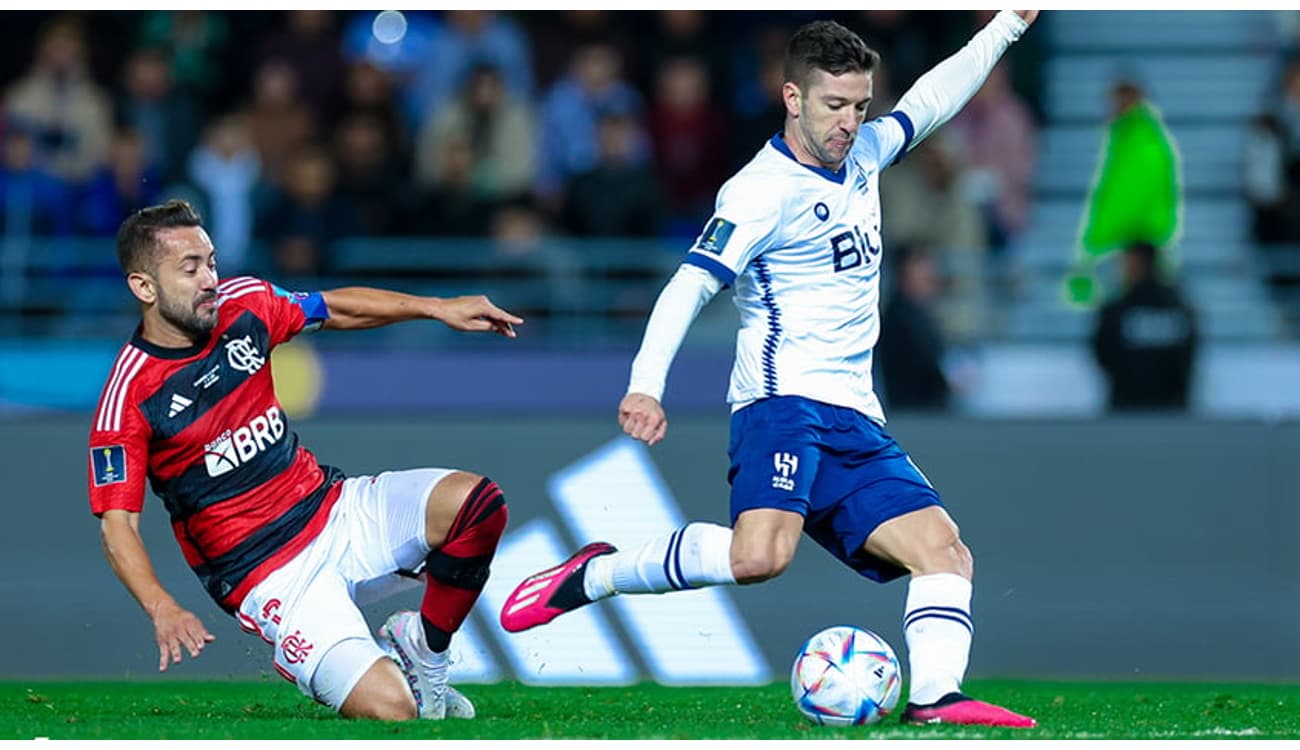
x=308, y=608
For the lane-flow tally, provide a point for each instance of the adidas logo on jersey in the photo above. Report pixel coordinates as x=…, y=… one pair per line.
x=179, y=403
x=234, y=448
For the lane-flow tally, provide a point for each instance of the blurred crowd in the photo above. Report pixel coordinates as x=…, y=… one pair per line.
x=298, y=128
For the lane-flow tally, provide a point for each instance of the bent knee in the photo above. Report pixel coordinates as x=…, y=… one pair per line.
x=946, y=554
x=755, y=568
x=382, y=693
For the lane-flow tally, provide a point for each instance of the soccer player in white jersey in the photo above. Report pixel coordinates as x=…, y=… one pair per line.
x=797, y=232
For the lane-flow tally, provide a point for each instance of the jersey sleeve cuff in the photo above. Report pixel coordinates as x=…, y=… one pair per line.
x=718, y=269
x=909, y=131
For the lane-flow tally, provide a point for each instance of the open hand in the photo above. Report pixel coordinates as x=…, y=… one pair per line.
x=176, y=628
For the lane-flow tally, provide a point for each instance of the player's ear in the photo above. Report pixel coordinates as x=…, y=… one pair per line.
x=143, y=286
x=792, y=97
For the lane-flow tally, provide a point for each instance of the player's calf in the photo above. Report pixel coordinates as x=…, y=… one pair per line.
x=458, y=570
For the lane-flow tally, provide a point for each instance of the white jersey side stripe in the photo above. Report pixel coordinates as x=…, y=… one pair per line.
x=235, y=282
x=122, y=390
x=229, y=288
x=119, y=367
x=110, y=413
x=222, y=299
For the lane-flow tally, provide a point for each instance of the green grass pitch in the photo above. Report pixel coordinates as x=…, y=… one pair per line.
x=272, y=709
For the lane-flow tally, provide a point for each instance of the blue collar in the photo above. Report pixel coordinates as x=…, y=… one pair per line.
x=779, y=144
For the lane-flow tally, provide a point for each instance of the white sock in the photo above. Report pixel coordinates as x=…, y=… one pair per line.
x=698, y=554
x=938, y=628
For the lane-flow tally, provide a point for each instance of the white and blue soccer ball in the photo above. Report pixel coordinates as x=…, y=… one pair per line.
x=846, y=676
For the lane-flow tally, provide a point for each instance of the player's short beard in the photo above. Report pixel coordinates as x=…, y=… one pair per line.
x=185, y=316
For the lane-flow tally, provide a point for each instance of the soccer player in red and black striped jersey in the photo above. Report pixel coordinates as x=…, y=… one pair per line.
x=284, y=544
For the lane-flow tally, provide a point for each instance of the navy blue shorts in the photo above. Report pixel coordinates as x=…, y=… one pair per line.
x=838, y=469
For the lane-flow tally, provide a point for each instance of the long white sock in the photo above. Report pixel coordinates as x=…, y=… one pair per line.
x=938, y=628
x=698, y=554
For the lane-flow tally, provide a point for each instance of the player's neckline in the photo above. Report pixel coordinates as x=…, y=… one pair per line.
x=837, y=177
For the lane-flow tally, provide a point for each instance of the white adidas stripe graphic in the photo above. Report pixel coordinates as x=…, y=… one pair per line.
x=689, y=637
x=179, y=403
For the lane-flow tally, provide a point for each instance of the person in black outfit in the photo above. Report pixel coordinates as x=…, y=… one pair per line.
x=911, y=344
x=1145, y=340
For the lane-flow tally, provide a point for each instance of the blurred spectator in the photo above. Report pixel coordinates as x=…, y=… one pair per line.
x=556, y=34
x=194, y=41
x=517, y=230
x=1138, y=193
x=367, y=176
x=501, y=132
x=996, y=133
x=225, y=169
x=126, y=184
x=619, y=197
x=924, y=206
x=278, y=120
x=166, y=119
x=309, y=45
x=690, y=143
x=307, y=215
x=57, y=103
x=369, y=90
x=454, y=208
x=467, y=39
x=760, y=112
x=685, y=32
x=911, y=349
x=1145, y=340
x=32, y=200
x=1265, y=182
x=593, y=89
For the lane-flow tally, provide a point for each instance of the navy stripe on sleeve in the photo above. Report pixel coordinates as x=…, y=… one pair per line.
x=717, y=268
x=909, y=131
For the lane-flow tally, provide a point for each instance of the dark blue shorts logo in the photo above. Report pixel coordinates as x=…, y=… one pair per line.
x=821, y=211
x=715, y=236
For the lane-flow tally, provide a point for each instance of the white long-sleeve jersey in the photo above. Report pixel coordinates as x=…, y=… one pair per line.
x=802, y=246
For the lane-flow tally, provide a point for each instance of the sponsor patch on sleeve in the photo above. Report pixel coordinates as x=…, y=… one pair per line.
x=715, y=236
x=108, y=464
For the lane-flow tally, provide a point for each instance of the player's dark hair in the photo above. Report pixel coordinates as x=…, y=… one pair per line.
x=137, y=242
x=828, y=46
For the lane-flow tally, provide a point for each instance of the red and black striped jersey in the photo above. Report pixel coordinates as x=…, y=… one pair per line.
x=204, y=425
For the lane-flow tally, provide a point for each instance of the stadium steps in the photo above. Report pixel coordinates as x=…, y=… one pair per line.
x=1208, y=72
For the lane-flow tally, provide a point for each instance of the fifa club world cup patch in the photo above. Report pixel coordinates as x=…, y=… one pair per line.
x=108, y=464
x=715, y=236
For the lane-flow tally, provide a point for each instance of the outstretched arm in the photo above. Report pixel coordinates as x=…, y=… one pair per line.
x=687, y=292
x=941, y=93
x=175, y=628
x=354, y=308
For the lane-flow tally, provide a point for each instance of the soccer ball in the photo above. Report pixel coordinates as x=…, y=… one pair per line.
x=845, y=676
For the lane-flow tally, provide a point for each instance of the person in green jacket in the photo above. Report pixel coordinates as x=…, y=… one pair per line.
x=1137, y=194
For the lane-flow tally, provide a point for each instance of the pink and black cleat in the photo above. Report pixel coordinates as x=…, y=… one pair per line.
x=955, y=708
x=544, y=596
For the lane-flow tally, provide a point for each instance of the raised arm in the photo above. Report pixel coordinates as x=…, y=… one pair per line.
x=640, y=414
x=354, y=308
x=941, y=93
x=175, y=628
